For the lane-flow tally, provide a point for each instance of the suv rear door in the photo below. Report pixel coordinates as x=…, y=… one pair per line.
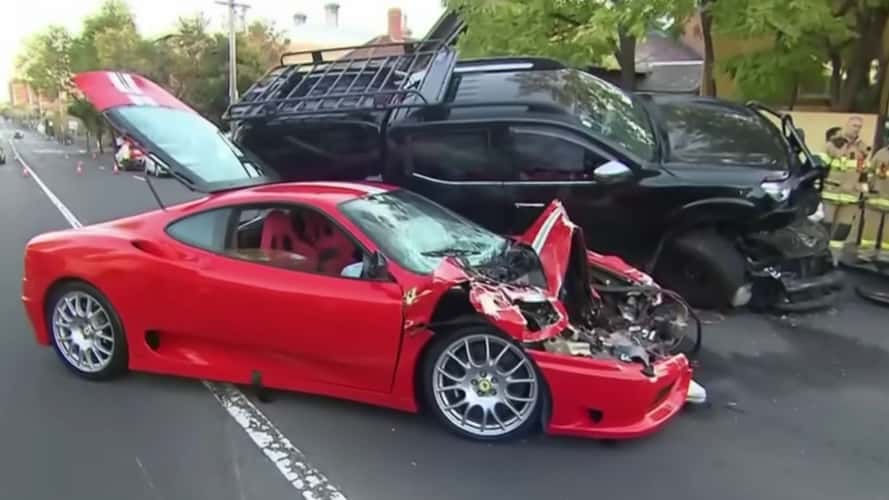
x=551, y=162
x=461, y=167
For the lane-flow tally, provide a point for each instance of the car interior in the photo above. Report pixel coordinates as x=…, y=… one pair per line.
x=293, y=238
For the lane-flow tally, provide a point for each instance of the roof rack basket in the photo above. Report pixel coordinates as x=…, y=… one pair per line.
x=349, y=81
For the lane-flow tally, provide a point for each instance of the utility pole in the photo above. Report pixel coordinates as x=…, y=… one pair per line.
x=232, y=43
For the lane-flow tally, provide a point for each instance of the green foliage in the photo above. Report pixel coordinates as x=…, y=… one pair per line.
x=45, y=61
x=190, y=61
x=807, y=37
x=580, y=32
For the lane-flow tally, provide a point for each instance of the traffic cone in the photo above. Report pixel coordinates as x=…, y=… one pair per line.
x=115, y=169
x=94, y=155
x=80, y=168
x=25, y=172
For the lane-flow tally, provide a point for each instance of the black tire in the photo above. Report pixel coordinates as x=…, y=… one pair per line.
x=704, y=267
x=445, y=340
x=117, y=362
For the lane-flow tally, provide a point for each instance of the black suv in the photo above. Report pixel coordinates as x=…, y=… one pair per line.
x=711, y=197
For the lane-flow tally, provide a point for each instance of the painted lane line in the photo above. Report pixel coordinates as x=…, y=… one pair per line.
x=139, y=178
x=101, y=167
x=288, y=459
x=72, y=220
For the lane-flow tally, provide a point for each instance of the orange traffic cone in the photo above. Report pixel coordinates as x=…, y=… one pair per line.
x=115, y=169
x=25, y=172
x=80, y=168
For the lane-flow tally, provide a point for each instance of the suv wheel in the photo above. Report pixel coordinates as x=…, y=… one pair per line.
x=705, y=268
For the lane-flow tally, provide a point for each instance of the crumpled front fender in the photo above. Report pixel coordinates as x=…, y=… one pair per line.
x=499, y=303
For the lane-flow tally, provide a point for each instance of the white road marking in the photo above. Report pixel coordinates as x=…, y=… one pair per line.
x=49, y=194
x=139, y=178
x=289, y=460
x=101, y=167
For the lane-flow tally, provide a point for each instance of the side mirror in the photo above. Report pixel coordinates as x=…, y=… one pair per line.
x=612, y=172
x=376, y=267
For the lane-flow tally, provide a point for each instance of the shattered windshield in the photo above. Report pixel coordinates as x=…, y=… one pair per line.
x=417, y=233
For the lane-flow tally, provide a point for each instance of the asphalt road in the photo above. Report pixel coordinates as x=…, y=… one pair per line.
x=799, y=406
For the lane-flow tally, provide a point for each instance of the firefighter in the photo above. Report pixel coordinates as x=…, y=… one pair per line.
x=876, y=204
x=842, y=190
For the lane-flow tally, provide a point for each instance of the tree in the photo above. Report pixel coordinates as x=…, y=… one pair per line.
x=708, y=83
x=112, y=15
x=45, y=63
x=92, y=120
x=581, y=32
x=807, y=36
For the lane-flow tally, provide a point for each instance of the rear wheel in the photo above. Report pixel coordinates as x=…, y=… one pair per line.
x=482, y=385
x=705, y=268
x=86, y=331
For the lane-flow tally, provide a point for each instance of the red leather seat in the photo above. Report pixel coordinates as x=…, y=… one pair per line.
x=278, y=234
x=335, y=250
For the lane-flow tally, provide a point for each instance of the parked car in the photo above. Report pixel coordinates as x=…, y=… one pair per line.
x=18, y=134
x=709, y=196
x=357, y=291
x=2, y=156
x=154, y=168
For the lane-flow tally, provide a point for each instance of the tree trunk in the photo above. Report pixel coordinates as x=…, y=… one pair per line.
x=626, y=58
x=708, y=82
x=883, y=85
x=867, y=47
x=836, y=80
x=88, y=148
x=794, y=93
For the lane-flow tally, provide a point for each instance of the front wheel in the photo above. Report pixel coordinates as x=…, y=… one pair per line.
x=482, y=385
x=706, y=269
x=86, y=332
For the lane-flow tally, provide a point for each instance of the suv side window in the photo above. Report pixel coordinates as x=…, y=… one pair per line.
x=458, y=155
x=550, y=154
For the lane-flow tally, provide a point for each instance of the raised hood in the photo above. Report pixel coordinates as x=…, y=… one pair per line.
x=194, y=150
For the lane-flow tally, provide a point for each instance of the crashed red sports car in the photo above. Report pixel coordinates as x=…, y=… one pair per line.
x=353, y=290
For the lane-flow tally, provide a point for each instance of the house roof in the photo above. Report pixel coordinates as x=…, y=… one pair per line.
x=377, y=46
x=660, y=47
x=677, y=77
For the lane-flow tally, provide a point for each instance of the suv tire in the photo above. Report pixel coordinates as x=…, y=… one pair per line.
x=704, y=267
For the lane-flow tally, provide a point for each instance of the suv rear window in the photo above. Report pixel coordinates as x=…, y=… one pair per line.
x=701, y=132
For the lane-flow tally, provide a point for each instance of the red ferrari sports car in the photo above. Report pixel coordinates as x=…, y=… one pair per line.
x=352, y=290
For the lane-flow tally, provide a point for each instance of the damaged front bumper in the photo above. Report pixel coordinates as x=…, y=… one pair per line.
x=603, y=399
x=792, y=269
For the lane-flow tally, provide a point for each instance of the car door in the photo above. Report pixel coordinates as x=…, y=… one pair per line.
x=460, y=167
x=291, y=322
x=549, y=163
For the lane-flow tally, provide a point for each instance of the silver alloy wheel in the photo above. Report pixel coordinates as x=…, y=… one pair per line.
x=485, y=385
x=83, y=331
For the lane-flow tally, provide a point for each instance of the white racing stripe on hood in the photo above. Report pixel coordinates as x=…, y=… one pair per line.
x=547, y=227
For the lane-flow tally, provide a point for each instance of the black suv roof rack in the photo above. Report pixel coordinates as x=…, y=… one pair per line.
x=349, y=81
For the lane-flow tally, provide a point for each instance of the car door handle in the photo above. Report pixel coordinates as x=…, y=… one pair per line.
x=520, y=204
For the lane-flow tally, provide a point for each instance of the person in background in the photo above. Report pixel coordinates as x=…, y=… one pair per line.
x=855, y=148
x=836, y=146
